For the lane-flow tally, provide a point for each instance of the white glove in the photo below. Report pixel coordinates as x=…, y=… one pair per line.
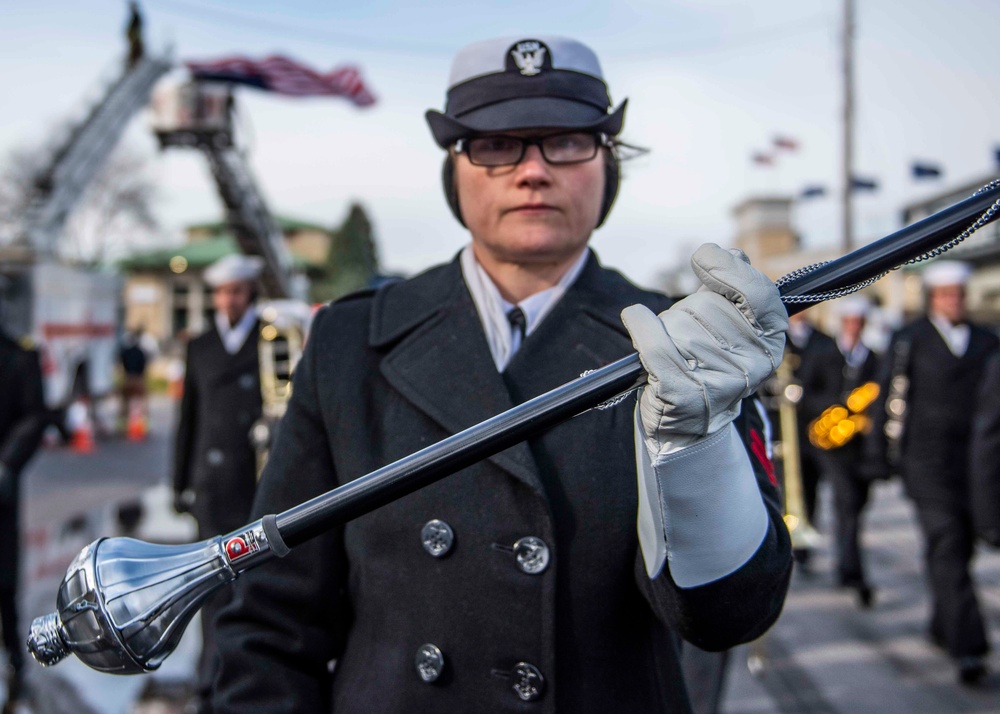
x=708, y=351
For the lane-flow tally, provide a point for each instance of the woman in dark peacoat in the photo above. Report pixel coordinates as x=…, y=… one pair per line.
x=386, y=374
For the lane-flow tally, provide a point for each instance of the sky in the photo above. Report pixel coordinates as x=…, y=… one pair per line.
x=709, y=82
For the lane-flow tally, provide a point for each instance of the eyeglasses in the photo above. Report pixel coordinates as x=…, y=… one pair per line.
x=557, y=149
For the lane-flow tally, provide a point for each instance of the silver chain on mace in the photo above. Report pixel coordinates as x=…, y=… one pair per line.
x=841, y=292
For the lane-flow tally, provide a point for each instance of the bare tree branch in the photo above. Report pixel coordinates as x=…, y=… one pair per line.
x=113, y=215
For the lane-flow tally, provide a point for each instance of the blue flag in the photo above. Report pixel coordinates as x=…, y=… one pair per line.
x=863, y=184
x=813, y=191
x=921, y=169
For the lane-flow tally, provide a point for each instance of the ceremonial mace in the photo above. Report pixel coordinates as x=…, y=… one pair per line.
x=124, y=603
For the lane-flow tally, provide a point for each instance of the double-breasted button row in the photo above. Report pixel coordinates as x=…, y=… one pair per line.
x=530, y=552
x=525, y=679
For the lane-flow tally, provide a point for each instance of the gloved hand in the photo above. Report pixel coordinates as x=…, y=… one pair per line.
x=6, y=483
x=708, y=351
x=183, y=501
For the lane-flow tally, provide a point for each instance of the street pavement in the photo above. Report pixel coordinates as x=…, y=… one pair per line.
x=70, y=499
x=824, y=655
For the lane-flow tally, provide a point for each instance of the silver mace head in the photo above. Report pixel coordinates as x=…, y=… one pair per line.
x=124, y=603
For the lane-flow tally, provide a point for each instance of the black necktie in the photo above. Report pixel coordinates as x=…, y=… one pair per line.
x=518, y=321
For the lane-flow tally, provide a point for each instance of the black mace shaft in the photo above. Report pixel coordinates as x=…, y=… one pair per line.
x=124, y=604
x=533, y=417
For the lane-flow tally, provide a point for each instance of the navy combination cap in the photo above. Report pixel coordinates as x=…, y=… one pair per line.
x=532, y=83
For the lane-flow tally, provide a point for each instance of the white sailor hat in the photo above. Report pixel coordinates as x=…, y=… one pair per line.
x=234, y=267
x=527, y=83
x=852, y=306
x=946, y=272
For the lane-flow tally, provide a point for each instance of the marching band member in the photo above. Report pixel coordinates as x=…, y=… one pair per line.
x=813, y=354
x=521, y=583
x=934, y=369
x=845, y=465
x=215, y=471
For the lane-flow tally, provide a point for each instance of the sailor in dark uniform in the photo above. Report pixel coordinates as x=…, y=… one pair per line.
x=522, y=583
x=22, y=420
x=844, y=463
x=934, y=370
x=214, y=461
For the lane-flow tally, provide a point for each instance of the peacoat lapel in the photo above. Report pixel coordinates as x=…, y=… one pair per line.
x=437, y=357
x=584, y=331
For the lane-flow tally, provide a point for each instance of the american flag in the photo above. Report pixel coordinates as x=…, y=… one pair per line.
x=286, y=76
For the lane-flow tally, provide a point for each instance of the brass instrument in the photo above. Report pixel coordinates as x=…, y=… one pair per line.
x=284, y=326
x=787, y=393
x=839, y=424
x=796, y=519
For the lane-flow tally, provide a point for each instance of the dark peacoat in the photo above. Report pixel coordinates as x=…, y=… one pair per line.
x=939, y=409
x=388, y=373
x=22, y=421
x=213, y=454
x=984, y=456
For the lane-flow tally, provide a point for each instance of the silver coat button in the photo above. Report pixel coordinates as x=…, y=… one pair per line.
x=437, y=538
x=528, y=682
x=215, y=457
x=429, y=662
x=532, y=555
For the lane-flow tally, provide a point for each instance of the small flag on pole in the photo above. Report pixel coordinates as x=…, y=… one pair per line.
x=813, y=191
x=863, y=184
x=922, y=169
x=786, y=143
x=285, y=76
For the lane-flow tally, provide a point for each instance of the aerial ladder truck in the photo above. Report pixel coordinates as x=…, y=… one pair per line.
x=71, y=313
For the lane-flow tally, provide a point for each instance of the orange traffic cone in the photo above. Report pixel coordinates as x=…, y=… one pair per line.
x=78, y=417
x=136, y=429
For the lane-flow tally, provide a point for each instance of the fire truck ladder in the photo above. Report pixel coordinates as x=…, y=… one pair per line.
x=248, y=216
x=76, y=161
x=205, y=121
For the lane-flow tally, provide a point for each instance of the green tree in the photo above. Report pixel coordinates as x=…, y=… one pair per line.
x=352, y=261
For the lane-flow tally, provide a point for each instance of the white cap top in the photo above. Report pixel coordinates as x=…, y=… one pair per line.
x=946, y=272
x=852, y=306
x=490, y=56
x=231, y=268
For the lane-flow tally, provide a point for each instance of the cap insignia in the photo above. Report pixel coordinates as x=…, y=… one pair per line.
x=529, y=56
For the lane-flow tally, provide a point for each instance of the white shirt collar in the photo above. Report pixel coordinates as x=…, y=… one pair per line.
x=493, y=309
x=854, y=356
x=799, y=332
x=955, y=336
x=234, y=337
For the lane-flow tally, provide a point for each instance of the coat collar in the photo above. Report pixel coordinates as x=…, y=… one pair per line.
x=437, y=357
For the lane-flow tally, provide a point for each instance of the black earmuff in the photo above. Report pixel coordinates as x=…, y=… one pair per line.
x=450, y=189
x=612, y=180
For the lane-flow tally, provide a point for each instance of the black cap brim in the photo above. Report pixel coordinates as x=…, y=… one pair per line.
x=525, y=113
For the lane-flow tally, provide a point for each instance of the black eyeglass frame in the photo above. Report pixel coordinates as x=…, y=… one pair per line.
x=603, y=141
